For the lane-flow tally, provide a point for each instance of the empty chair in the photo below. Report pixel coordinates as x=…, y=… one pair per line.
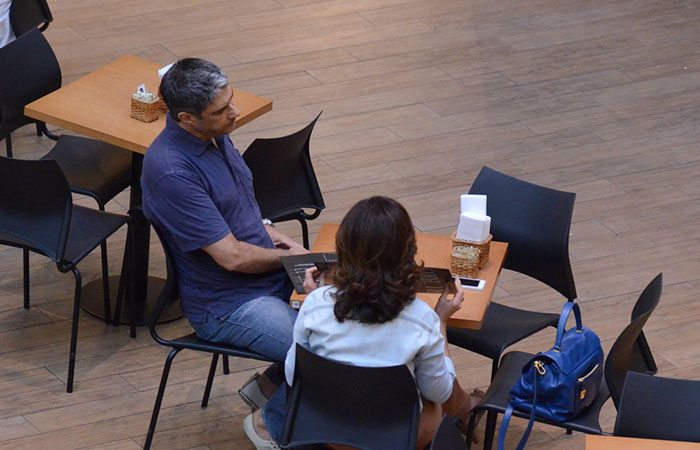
x=25, y=15
x=626, y=355
x=535, y=222
x=37, y=214
x=168, y=297
x=93, y=168
x=659, y=408
x=284, y=179
x=368, y=408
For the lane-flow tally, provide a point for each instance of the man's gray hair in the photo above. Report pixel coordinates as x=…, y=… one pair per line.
x=191, y=85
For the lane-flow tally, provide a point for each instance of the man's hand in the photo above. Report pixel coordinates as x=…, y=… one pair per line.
x=447, y=306
x=284, y=242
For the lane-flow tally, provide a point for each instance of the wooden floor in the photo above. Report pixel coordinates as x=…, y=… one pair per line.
x=595, y=97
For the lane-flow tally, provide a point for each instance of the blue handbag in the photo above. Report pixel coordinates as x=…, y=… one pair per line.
x=560, y=383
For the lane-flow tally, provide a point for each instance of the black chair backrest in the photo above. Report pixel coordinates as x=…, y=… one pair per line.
x=367, y=408
x=283, y=177
x=26, y=15
x=35, y=205
x=626, y=355
x=659, y=408
x=171, y=290
x=448, y=436
x=30, y=70
x=535, y=222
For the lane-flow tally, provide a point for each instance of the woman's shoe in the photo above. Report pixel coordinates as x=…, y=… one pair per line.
x=258, y=442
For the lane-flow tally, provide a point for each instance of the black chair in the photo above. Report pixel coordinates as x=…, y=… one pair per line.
x=368, y=408
x=626, y=355
x=92, y=167
x=535, y=223
x=284, y=179
x=659, y=408
x=37, y=214
x=25, y=15
x=168, y=297
x=448, y=436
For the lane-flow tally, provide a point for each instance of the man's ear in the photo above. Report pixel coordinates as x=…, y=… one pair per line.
x=186, y=117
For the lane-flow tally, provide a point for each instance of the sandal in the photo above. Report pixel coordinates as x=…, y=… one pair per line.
x=476, y=397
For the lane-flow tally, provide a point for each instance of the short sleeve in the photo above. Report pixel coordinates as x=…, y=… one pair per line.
x=183, y=206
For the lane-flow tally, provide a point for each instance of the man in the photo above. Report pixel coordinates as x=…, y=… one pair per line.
x=198, y=192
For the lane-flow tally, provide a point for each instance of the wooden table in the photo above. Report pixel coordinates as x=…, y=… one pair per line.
x=98, y=105
x=594, y=442
x=435, y=251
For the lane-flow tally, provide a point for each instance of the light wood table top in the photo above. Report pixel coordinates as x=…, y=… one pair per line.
x=594, y=442
x=435, y=251
x=98, y=105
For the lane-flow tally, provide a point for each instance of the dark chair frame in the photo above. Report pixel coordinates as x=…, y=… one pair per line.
x=168, y=297
x=362, y=407
x=50, y=234
x=283, y=178
x=659, y=408
x=26, y=15
x=627, y=354
x=82, y=168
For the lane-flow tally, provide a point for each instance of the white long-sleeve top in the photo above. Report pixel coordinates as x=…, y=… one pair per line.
x=412, y=338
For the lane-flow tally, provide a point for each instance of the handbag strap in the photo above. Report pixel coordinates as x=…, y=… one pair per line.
x=563, y=318
x=509, y=413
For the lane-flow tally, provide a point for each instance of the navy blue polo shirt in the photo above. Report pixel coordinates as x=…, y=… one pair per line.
x=196, y=194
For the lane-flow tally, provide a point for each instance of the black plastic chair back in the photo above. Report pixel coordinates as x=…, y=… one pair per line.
x=170, y=293
x=535, y=222
x=448, y=436
x=283, y=177
x=25, y=15
x=659, y=408
x=367, y=408
x=35, y=206
x=30, y=70
x=626, y=355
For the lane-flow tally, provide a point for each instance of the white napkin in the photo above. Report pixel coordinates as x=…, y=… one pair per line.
x=473, y=227
x=163, y=70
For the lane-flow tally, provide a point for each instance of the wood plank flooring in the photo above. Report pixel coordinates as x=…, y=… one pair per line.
x=599, y=98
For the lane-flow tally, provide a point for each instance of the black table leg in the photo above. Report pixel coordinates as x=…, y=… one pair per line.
x=146, y=289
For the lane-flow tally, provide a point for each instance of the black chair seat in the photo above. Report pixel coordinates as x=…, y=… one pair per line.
x=509, y=372
x=92, y=167
x=509, y=324
x=88, y=227
x=192, y=342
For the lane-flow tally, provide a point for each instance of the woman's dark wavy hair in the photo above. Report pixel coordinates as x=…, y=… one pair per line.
x=376, y=274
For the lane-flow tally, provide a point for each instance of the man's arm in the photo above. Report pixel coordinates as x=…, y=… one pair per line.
x=281, y=240
x=239, y=256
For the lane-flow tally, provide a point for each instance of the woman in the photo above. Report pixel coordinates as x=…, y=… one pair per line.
x=372, y=299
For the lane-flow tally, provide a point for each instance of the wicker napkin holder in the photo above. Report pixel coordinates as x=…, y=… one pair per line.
x=144, y=111
x=469, y=257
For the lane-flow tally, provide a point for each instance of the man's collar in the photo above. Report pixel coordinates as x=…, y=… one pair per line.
x=190, y=142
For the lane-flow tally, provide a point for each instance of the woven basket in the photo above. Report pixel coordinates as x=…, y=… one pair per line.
x=145, y=112
x=162, y=107
x=465, y=261
x=483, y=247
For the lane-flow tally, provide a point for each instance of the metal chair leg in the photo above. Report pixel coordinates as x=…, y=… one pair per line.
x=490, y=429
x=159, y=397
x=210, y=380
x=105, y=283
x=25, y=269
x=305, y=233
x=74, y=330
x=226, y=368
x=8, y=145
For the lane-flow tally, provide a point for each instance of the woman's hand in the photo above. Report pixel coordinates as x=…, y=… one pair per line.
x=447, y=306
x=313, y=279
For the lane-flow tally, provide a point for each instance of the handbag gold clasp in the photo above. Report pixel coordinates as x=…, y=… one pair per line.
x=540, y=367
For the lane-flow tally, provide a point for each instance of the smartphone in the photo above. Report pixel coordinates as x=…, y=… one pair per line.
x=472, y=283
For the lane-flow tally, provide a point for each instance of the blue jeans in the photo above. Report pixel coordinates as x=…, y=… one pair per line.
x=275, y=412
x=263, y=325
